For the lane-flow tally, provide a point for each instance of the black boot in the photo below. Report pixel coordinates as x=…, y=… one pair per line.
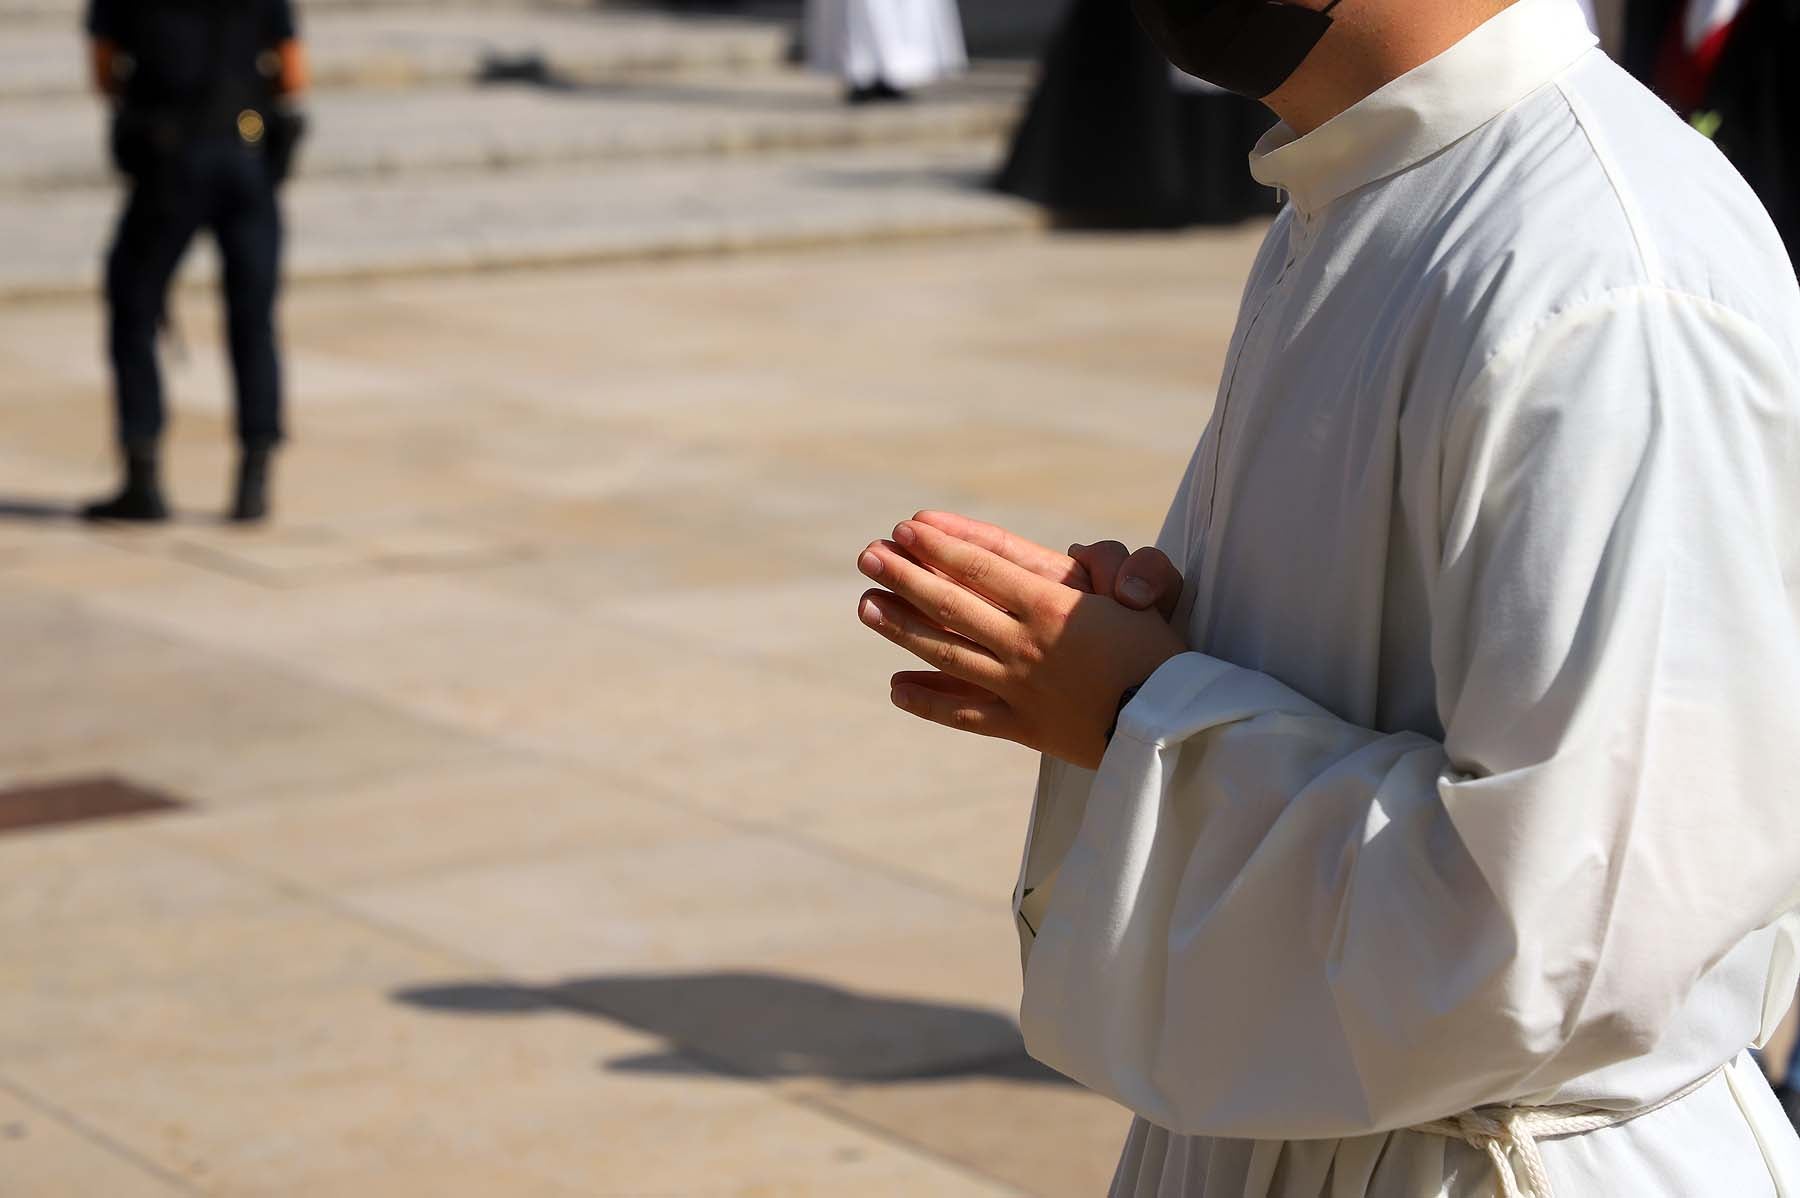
x=252, y=500
x=141, y=496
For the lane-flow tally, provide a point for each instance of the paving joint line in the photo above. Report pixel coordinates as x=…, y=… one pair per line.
x=644, y=787
x=95, y=1135
x=890, y=1136
x=706, y=1061
x=712, y=247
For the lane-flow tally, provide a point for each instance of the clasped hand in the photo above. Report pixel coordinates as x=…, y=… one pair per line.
x=1022, y=646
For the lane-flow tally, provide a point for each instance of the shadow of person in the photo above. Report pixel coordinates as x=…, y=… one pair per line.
x=767, y=1026
x=37, y=510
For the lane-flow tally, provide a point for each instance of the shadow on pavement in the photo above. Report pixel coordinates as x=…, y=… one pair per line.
x=32, y=509
x=767, y=1026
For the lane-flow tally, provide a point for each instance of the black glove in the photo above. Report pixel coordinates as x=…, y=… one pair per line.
x=283, y=130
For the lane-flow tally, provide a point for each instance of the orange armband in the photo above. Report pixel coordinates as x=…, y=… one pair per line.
x=105, y=65
x=293, y=78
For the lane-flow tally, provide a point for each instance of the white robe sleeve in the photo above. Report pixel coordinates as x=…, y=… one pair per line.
x=1272, y=923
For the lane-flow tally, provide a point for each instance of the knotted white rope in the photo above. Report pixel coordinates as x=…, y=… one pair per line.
x=1509, y=1133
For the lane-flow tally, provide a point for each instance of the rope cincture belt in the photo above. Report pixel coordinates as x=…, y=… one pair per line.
x=1506, y=1132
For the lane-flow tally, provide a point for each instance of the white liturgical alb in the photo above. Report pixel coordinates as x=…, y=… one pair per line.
x=1478, y=791
x=903, y=43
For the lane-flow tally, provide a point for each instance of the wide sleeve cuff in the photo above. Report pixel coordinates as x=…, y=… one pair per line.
x=1192, y=692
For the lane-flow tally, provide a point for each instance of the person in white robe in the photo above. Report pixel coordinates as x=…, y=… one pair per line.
x=882, y=49
x=1445, y=843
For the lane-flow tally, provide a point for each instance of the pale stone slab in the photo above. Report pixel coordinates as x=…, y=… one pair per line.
x=62, y=557
x=384, y=1035
x=585, y=575
x=373, y=1087
x=1047, y=1137
x=298, y=555
x=726, y=899
x=607, y=694
x=86, y=694
x=965, y=844
x=808, y=623
x=42, y=1156
x=65, y=879
x=739, y=951
x=487, y=810
x=969, y=962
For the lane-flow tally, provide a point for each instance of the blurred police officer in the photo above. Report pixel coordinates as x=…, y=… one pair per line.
x=204, y=128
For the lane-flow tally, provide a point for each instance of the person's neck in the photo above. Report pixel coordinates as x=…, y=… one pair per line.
x=1372, y=43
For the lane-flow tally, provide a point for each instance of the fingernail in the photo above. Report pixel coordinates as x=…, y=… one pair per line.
x=868, y=563
x=871, y=615
x=1135, y=589
x=901, y=698
x=905, y=534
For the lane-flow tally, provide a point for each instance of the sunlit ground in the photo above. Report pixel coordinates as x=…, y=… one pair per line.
x=548, y=830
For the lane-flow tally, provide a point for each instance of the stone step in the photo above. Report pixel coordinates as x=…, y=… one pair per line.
x=71, y=12
x=396, y=47
x=59, y=143
x=341, y=228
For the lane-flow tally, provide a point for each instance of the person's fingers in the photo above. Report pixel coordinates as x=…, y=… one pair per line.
x=965, y=713
x=1045, y=563
x=896, y=619
x=1012, y=587
x=1149, y=579
x=925, y=566
x=1102, y=563
x=935, y=681
x=937, y=595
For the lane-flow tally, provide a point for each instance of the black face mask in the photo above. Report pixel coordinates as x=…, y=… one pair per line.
x=1245, y=46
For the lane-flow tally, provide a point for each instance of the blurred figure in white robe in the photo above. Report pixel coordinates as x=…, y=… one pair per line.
x=882, y=49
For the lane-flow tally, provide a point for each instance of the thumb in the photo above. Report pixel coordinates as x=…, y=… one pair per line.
x=1149, y=579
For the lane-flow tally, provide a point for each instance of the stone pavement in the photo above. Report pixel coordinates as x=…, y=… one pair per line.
x=548, y=830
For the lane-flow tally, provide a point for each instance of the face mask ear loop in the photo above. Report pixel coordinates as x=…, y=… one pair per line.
x=1329, y=7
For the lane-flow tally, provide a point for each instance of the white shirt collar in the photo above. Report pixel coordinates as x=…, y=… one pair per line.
x=1406, y=121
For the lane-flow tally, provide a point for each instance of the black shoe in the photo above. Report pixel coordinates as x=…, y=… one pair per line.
x=140, y=499
x=878, y=92
x=251, y=502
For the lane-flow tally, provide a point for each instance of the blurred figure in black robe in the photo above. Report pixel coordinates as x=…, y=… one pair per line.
x=1112, y=140
x=1739, y=86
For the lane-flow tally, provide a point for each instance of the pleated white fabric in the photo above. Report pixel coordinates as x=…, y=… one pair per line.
x=1480, y=786
x=905, y=43
x=1713, y=1147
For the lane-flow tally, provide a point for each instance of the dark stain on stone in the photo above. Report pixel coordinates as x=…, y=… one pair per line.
x=74, y=800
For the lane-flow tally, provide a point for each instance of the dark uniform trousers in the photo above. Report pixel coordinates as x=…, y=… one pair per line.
x=212, y=182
